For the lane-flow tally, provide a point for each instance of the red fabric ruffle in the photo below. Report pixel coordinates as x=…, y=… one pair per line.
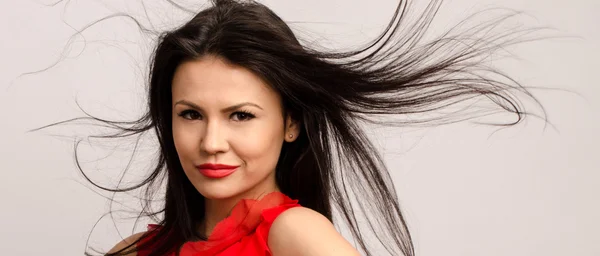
x=244, y=232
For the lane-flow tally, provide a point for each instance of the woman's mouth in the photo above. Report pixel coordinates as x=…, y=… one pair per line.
x=216, y=170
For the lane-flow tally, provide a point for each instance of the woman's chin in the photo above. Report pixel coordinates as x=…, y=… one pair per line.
x=218, y=191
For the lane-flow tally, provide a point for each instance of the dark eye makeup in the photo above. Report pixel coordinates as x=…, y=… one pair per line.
x=241, y=115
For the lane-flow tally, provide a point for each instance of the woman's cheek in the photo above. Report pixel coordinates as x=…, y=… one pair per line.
x=187, y=140
x=262, y=143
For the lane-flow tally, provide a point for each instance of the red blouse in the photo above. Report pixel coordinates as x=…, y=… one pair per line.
x=244, y=232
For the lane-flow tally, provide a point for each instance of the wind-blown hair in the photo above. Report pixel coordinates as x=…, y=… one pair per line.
x=332, y=167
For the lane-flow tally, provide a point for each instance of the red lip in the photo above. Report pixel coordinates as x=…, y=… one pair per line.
x=216, y=170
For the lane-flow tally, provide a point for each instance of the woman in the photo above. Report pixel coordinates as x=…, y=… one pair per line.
x=260, y=137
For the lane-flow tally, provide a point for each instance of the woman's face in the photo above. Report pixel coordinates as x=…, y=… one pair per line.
x=224, y=114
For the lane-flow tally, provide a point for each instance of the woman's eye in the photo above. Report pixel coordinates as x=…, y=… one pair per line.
x=242, y=116
x=189, y=114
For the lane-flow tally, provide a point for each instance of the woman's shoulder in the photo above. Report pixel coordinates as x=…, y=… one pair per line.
x=303, y=231
x=126, y=243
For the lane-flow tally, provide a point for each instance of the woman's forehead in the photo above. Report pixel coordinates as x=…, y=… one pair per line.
x=211, y=79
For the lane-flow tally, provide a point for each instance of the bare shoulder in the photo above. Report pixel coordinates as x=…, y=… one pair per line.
x=126, y=242
x=302, y=231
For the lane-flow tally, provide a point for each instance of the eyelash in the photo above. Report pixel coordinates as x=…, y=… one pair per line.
x=249, y=115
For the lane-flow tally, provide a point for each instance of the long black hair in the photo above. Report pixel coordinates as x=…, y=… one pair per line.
x=332, y=167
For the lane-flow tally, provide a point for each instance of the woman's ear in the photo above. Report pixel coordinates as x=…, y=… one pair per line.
x=292, y=129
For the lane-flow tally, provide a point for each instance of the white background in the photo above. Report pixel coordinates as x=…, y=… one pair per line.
x=465, y=190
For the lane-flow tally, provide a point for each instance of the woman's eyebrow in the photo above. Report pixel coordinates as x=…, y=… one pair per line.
x=188, y=103
x=236, y=106
x=227, y=109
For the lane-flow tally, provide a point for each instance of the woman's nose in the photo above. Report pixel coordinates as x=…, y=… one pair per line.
x=214, y=140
